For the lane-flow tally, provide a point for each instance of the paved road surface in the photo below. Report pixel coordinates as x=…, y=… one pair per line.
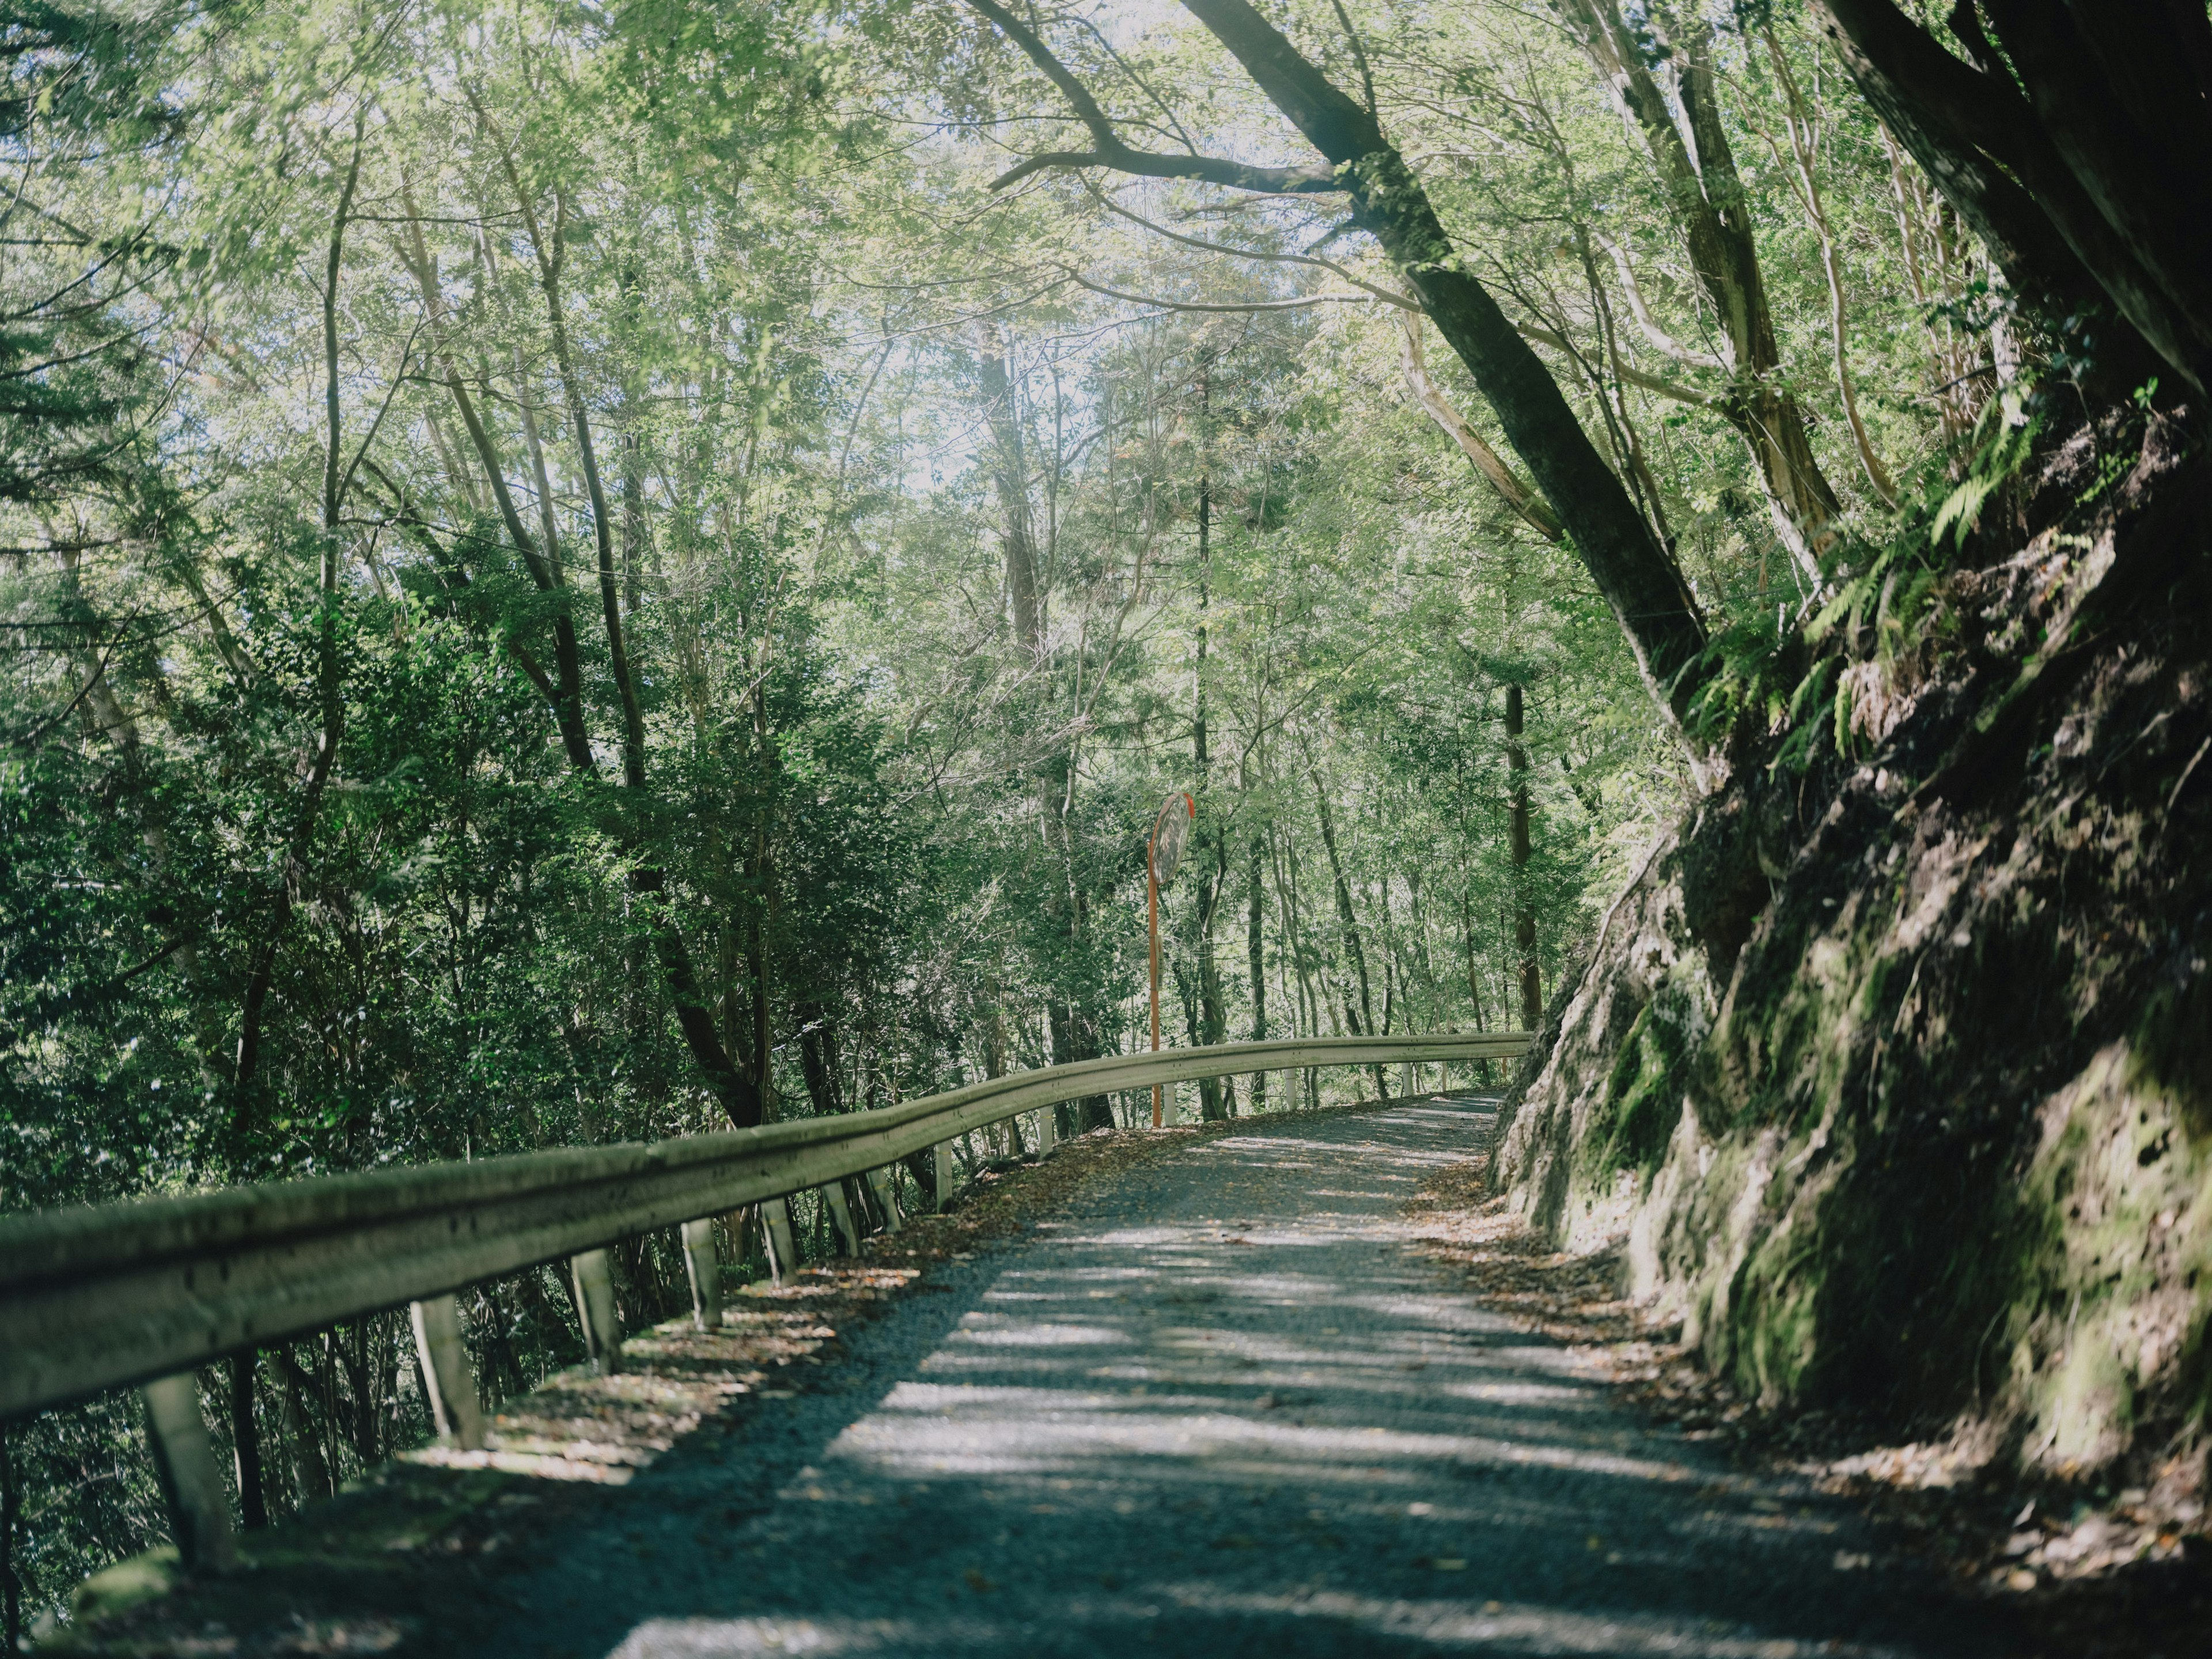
x=1218, y=1408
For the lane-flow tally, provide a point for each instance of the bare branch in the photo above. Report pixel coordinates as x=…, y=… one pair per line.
x=1404, y=301
x=1515, y=494
x=1197, y=305
x=1673, y=389
x=399, y=379
x=1109, y=151
x=1642, y=311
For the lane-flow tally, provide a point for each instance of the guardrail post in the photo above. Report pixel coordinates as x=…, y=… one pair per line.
x=595, y=1299
x=946, y=1174
x=840, y=1213
x=782, y=1254
x=1047, y=1130
x=885, y=1187
x=199, y=1511
x=705, y=1274
x=446, y=1368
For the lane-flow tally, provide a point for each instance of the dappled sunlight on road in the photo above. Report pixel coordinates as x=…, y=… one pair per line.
x=1226, y=1406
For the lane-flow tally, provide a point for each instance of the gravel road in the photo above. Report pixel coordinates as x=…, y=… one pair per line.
x=1217, y=1406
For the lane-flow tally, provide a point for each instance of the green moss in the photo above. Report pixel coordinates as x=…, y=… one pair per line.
x=1775, y=1343
x=1643, y=1100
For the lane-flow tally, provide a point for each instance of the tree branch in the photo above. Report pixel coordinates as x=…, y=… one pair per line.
x=1510, y=489
x=1222, y=306
x=1404, y=301
x=1109, y=151
x=1642, y=311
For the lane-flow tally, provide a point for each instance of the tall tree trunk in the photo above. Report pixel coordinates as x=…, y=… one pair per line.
x=1010, y=472
x=2026, y=177
x=1216, y=1100
x=1524, y=911
x=1633, y=571
x=1474, y=964
x=329, y=691
x=758, y=934
x=311, y=1469
x=742, y=1099
x=633, y=465
x=817, y=1055
x=246, y=1442
x=1364, y=1023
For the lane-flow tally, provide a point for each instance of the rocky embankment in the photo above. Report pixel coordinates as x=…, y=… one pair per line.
x=1891, y=1078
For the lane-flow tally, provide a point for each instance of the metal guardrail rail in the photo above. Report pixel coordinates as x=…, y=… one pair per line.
x=145, y=1292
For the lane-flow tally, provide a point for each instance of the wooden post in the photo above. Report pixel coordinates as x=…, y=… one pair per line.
x=706, y=1274
x=452, y=1384
x=595, y=1300
x=885, y=1187
x=782, y=1254
x=946, y=1173
x=199, y=1511
x=840, y=1213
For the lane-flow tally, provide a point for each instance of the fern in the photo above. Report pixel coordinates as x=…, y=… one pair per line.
x=2003, y=437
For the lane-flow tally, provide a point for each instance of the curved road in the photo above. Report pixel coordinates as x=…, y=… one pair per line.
x=1218, y=1407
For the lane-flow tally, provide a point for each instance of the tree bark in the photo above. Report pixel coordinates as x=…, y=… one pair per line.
x=1697, y=168
x=1524, y=910
x=1010, y=473
x=1976, y=136
x=2114, y=87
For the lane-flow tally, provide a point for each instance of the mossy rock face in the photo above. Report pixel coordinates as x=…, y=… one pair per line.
x=1930, y=1135
x=1643, y=1098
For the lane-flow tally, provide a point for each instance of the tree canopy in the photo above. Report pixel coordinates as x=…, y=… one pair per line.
x=582, y=571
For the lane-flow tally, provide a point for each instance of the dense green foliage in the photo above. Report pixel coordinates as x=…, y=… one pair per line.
x=946, y=529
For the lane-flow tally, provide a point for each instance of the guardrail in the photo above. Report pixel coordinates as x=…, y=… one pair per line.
x=145, y=1292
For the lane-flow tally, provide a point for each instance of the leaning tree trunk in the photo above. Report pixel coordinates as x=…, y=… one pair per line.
x=740, y=1097
x=1637, y=576
x=1635, y=573
x=2082, y=164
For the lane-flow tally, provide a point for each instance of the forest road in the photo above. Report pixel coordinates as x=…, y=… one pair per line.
x=1219, y=1406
